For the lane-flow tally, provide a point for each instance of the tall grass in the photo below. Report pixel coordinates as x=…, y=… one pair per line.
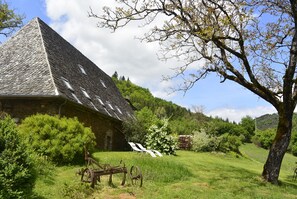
x=153, y=169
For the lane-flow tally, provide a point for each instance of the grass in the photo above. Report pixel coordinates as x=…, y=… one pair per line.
x=187, y=175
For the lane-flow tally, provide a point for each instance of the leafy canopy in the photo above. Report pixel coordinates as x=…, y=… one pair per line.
x=9, y=20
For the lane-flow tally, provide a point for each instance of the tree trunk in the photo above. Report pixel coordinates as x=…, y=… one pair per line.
x=278, y=148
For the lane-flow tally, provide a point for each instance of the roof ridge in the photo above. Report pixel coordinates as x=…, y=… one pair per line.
x=16, y=33
x=46, y=54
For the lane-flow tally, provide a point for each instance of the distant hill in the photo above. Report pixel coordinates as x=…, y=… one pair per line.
x=271, y=120
x=267, y=121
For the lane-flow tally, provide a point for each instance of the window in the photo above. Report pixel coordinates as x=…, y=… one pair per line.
x=99, y=99
x=85, y=93
x=75, y=97
x=117, y=116
x=82, y=69
x=119, y=109
x=109, y=104
x=103, y=84
x=129, y=114
x=107, y=112
x=68, y=85
x=94, y=106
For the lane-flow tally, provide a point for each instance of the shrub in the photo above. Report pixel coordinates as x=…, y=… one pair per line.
x=204, y=142
x=230, y=143
x=60, y=139
x=248, y=123
x=135, y=130
x=159, y=138
x=264, y=138
x=17, y=175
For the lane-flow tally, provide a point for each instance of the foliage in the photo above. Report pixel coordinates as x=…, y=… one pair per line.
x=60, y=139
x=159, y=138
x=182, y=121
x=9, y=20
x=267, y=121
x=76, y=191
x=185, y=125
x=135, y=130
x=230, y=143
x=248, y=123
x=203, y=142
x=17, y=175
x=264, y=138
x=230, y=135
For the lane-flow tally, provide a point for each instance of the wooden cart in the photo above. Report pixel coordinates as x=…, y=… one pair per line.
x=93, y=171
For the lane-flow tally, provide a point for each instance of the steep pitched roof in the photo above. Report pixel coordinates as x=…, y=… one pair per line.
x=38, y=62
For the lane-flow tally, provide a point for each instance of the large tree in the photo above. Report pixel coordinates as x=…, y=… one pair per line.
x=9, y=20
x=252, y=43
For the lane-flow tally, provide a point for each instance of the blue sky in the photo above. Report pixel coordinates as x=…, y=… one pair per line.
x=121, y=52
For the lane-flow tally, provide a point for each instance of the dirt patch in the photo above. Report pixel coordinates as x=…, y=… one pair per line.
x=127, y=196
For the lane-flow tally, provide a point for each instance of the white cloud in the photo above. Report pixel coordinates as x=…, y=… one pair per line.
x=236, y=114
x=118, y=51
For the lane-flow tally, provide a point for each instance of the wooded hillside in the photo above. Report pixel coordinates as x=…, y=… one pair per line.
x=182, y=120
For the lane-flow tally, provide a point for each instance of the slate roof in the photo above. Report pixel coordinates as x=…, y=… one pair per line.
x=38, y=62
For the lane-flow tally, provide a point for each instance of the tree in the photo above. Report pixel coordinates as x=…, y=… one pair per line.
x=252, y=43
x=248, y=123
x=115, y=75
x=9, y=21
x=17, y=175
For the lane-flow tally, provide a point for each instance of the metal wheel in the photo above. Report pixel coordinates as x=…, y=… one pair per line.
x=136, y=176
x=88, y=176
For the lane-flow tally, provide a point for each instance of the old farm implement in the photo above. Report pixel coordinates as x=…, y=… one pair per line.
x=94, y=170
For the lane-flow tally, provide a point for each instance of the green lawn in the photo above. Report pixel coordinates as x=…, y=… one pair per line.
x=187, y=175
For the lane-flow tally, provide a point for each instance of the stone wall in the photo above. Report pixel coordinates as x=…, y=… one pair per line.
x=107, y=130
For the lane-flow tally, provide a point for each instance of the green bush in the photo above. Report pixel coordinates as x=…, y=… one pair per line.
x=204, y=142
x=17, y=175
x=60, y=139
x=264, y=138
x=159, y=138
x=248, y=123
x=230, y=143
x=135, y=130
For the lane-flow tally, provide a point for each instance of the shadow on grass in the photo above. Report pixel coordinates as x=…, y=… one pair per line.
x=246, y=179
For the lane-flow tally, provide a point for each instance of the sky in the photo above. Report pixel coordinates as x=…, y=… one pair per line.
x=122, y=52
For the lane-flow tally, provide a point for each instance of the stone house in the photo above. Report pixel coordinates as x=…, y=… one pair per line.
x=40, y=72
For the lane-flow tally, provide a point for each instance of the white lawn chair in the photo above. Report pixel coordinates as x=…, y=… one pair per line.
x=144, y=149
x=157, y=152
x=135, y=148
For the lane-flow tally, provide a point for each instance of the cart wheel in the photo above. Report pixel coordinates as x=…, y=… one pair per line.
x=136, y=176
x=88, y=176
